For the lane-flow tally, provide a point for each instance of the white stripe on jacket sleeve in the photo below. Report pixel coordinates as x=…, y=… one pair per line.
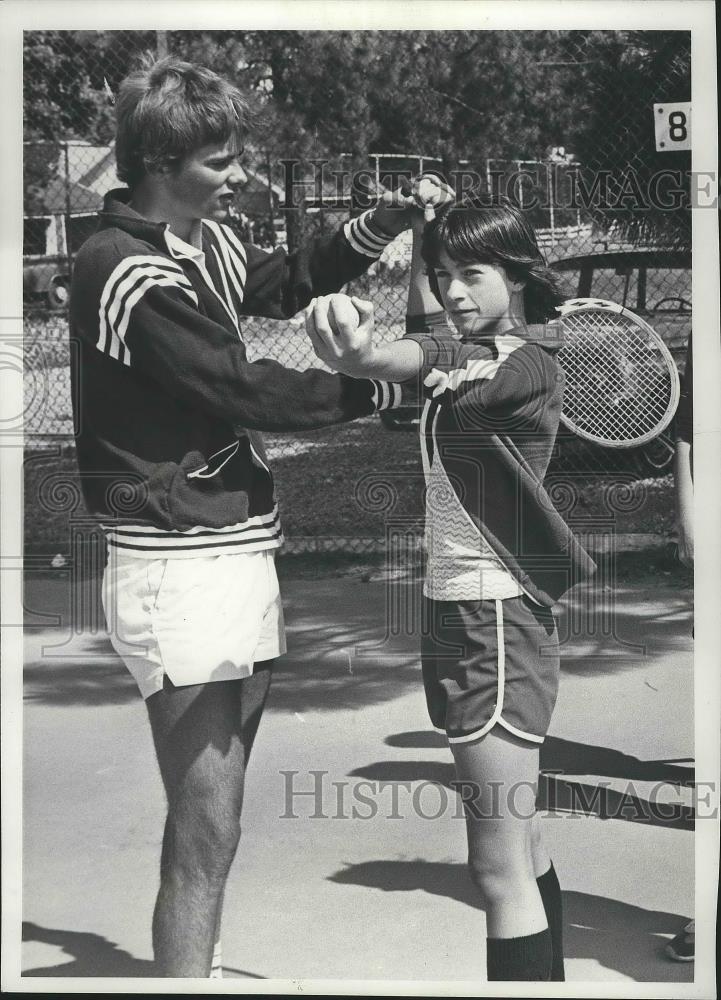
x=363, y=239
x=127, y=284
x=386, y=395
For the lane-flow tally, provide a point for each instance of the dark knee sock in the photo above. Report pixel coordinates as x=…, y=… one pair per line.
x=524, y=959
x=550, y=892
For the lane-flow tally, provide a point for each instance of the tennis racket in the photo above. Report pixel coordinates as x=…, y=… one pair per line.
x=622, y=385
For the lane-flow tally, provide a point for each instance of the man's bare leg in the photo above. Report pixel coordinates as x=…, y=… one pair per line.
x=216, y=971
x=203, y=735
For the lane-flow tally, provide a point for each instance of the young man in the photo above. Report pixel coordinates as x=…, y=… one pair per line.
x=169, y=411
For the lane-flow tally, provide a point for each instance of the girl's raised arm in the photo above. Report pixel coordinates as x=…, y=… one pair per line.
x=424, y=309
x=342, y=334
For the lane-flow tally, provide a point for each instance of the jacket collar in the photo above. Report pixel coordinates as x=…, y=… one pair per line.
x=117, y=212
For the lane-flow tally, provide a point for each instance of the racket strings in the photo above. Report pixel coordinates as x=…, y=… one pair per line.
x=618, y=384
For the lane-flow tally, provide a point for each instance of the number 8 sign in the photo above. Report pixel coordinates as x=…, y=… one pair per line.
x=673, y=126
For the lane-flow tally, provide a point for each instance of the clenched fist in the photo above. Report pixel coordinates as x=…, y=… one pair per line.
x=412, y=205
x=430, y=194
x=342, y=314
x=341, y=332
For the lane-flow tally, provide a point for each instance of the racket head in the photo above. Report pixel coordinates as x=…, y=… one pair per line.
x=622, y=385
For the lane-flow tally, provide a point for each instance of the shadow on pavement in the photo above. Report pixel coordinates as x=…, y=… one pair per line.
x=94, y=955
x=619, y=936
x=622, y=629
x=98, y=676
x=624, y=937
x=555, y=793
x=570, y=757
x=407, y=771
x=578, y=799
x=418, y=739
x=338, y=657
x=300, y=685
x=80, y=681
x=440, y=878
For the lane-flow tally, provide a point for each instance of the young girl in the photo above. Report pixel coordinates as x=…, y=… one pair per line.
x=498, y=553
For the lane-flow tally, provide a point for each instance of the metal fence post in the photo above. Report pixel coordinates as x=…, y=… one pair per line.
x=520, y=184
x=68, y=210
x=551, y=195
x=295, y=223
x=271, y=207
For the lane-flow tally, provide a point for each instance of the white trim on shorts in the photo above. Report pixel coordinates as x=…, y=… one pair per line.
x=497, y=716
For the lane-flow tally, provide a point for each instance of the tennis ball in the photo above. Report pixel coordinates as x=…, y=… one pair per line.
x=342, y=311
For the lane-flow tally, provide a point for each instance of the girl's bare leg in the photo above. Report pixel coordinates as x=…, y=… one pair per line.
x=500, y=841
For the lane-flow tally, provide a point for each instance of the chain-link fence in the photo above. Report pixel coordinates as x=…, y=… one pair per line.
x=580, y=149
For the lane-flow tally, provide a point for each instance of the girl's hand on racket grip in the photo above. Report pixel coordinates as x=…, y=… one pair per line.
x=437, y=381
x=341, y=332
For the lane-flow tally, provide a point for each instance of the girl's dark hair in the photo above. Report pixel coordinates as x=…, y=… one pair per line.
x=169, y=108
x=481, y=230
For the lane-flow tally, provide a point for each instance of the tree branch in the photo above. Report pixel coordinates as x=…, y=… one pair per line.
x=457, y=100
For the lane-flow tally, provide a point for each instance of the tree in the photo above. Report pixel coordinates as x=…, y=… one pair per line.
x=624, y=75
x=65, y=96
x=64, y=75
x=460, y=95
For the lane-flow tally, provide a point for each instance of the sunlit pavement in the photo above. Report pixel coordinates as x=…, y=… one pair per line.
x=364, y=878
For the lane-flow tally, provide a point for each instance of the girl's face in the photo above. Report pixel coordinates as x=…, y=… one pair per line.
x=479, y=298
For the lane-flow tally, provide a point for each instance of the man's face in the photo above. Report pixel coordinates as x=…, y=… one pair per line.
x=479, y=298
x=205, y=183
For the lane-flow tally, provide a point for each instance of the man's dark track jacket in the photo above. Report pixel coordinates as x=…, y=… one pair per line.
x=489, y=431
x=167, y=403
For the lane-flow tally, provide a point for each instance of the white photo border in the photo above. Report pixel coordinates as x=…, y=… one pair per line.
x=373, y=15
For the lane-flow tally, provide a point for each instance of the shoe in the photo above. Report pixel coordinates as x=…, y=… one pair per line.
x=682, y=948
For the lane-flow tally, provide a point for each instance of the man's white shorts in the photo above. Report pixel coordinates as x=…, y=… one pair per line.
x=197, y=620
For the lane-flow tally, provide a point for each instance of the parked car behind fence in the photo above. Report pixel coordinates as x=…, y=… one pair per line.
x=655, y=284
x=46, y=281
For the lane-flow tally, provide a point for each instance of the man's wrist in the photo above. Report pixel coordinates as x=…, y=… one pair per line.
x=390, y=222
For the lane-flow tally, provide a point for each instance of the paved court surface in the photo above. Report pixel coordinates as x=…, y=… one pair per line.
x=384, y=895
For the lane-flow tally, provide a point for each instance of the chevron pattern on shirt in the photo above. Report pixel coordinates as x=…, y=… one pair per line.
x=461, y=564
x=231, y=261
